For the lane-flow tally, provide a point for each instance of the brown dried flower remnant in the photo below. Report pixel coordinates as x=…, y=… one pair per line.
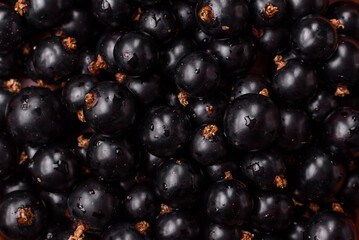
x=278, y=60
x=280, y=181
x=270, y=10
x=247, y=235
x=21, y=7
x=23, y=157
x=79, y=232
x=142, y=227
x=120, y=77
x=41, y=83
x=336, y=23
x=69, y=43
x=264, y=92
x=82, y=142
x=228, y=175
x=209, y=131
x=25, y=216
x=90, y=99
x=12, y=85
x=182, y=97
x=314, y=207
x=296, y=203
x=206, y=14
x=257, y=31
x=341, y=91
x=225, y=28
x=137, y=14
x=81, y=116
x=165, y=209
x=209, y=109
x=337, y=207
x=96, y=66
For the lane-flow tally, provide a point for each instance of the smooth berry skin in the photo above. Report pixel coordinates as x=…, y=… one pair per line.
x=272, y=40
x=349, y=193
x=217, y=172
x=316, y=165
x=7, y=64
x=44, y=14
x=106, y=46
x=178, y=183
x=323, y=103
x=122, y=231
x=272, y=211
x=295, y=230
x=111, y=158
x=348, y=15
x=73, y=94
x=159, y=22
x=164, y=131
x=314, y=38
x=185, y=14
x=228, y=202
x=34, y=110
x=55, y=203
x=11, y=30
x=301, y=8
x=113, y=109
x=258, y=8
x=54, y=168
x=295, y=83
x=17, y=183
x=198, y=74
x=251, y=122
x=218, y=232
x=8, y=153
x=234, y=56
x=208, y=150
x=10, y=206
x=116, y=13
x=136, y=53
x=93, y=203
x=330, y=225
x=341, y=131
x=52, y=61
x=229, y=17
x=176, y=225
x=208, y=110
x=262, y=167
x=248, y=83
x=295, y=131
x=140, y=203
x=342, y=66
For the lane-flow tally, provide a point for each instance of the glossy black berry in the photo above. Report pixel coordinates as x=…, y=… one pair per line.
x=93, y=203
x=323, y=103
x=11, y=30
x=349, y=193
x=159, y=22
x=23, y=216
x=173, y=52
x=111, y=158
x=208, y=110
x=7, y=64
x=176, y=225
x=8, y=153
x=116, y=13
x=136, y=53
x=217, y=172
x=164, y=131
x=109, y=108
x=295, y=131
x=185, y=13
x=301, y=8
x=34, y=110
x=295, y=230
x=330, y=225
x=54, y=168
x=251, y=122
x=151, y=163
x=341, y=130
x=348, y=15
x=218, y=232
x=249, y=83
x=55, y=58
x=178, y=183
x=55, y=203
x=140, y=203
x=85, y=59
x=264, y=169
x=208, y=145
x=234, y=55
x=122, y=231
x=268, y=12
x=342, y=66
x=222, y=19
x=17, y=183
x=315, y=166
x=314, y=38
x=198, y=74
x=228, y=202
x=272, y=211
x=73, y=94
x=295, y=83
x=43, y=14
x=271, y=39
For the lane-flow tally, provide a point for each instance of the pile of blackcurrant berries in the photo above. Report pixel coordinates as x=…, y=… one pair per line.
x=179, y=120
